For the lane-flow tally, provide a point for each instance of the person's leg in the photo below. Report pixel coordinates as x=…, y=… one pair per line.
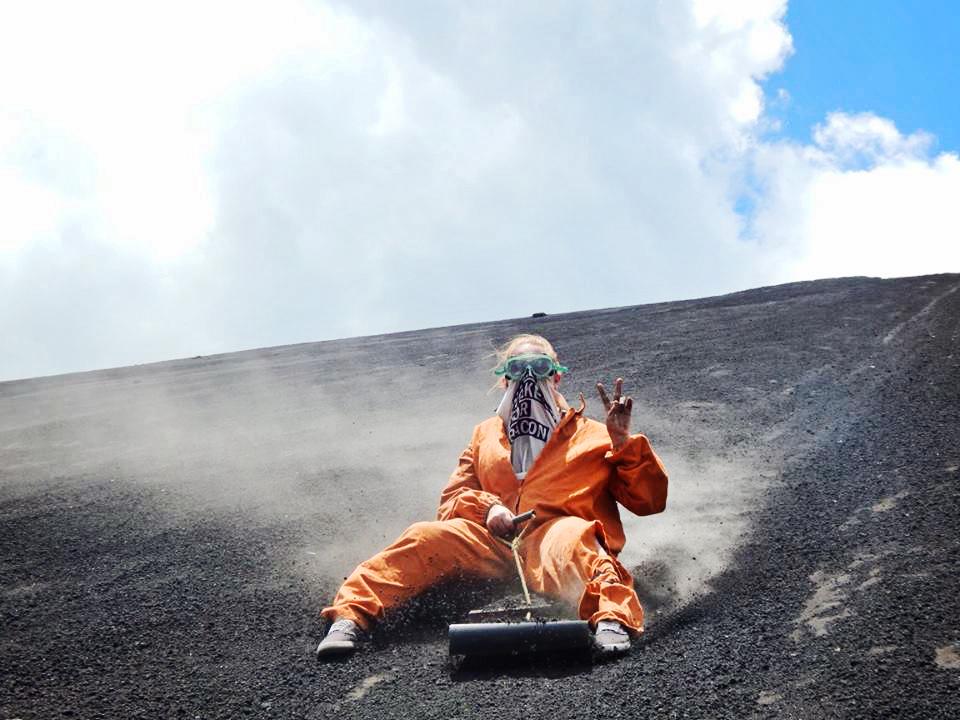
x=564, y=558
x=425, y=554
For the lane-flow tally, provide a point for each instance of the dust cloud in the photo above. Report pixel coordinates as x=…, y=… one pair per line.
x=347, y=443
x=674, y=554
x=713, y=493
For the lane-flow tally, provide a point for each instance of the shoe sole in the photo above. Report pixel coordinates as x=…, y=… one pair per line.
x=617, y=649
x=333, y=649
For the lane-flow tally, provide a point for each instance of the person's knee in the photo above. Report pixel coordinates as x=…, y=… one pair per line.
x=441, y=545
x=430, y=532
x=424, y=530
x=569, y=536
x=575, y=526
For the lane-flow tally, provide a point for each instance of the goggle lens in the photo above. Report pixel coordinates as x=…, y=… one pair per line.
x=541, y=365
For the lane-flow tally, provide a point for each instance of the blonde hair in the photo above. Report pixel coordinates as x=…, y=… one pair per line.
x=508, y=350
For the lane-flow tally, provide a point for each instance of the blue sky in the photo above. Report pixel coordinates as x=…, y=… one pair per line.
x=266, y=173
x=899, y=59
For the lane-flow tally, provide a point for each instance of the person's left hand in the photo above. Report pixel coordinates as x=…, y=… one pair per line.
x=618, y=414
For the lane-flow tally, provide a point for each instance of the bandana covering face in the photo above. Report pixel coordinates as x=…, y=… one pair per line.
x=530, y=414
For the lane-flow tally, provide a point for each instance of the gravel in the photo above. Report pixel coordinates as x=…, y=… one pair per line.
x=168, y=532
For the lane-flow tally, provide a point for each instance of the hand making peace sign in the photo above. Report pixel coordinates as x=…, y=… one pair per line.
x=618, y=414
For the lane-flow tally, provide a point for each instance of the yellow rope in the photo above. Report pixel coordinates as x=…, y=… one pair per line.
x=515, y=546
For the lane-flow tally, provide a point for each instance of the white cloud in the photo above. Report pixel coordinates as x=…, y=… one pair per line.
x=866, y=138
x=30, y=212
x=188, y=178
x=864, y=199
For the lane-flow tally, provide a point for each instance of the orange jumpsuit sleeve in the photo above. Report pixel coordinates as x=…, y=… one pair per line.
x=639, y=482
x=463, y=496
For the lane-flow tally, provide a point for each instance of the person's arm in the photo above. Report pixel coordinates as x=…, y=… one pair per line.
x=639, y=482
x=463, y=496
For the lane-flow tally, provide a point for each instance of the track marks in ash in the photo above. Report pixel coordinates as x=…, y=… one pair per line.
x=829, y=601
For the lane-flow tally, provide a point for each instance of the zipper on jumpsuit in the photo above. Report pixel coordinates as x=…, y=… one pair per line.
x=556, y=431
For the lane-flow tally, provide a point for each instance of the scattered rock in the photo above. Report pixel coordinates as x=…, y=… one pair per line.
x=948, y=656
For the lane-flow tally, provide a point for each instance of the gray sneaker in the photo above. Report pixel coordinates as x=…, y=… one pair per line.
x=611, y=638
x=341, y=640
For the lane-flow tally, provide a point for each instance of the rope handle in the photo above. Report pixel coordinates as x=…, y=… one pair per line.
x=515, y=546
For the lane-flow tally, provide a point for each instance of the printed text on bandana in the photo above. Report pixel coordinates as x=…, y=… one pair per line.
x=522, y=421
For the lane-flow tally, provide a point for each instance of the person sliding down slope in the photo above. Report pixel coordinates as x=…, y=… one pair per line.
x=536, y=453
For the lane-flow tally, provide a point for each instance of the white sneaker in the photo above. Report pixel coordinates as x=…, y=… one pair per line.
x=611, y=638
x=341, y=639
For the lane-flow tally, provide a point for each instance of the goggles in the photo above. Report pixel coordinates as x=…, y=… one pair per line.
x=541, y=365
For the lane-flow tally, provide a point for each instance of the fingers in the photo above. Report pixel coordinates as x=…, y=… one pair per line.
x=500, y=521
x=603, y=396
x=502, y=526
x=617, y=394
x=621, y=404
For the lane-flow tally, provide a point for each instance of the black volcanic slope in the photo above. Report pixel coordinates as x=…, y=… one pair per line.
x=168, y=532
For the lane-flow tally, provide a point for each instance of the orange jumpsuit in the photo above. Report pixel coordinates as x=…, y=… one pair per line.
x=569, y=550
